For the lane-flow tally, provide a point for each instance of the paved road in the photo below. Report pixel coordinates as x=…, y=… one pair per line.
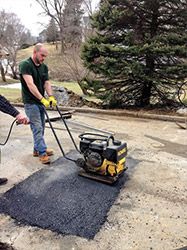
x=150, y=209
x=11, y=86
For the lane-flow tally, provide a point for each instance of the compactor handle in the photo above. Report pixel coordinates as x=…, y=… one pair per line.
x=88, y=136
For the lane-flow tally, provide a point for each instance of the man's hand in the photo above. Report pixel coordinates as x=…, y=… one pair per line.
x=52, y=101
x=44, y=102
x=22, y=119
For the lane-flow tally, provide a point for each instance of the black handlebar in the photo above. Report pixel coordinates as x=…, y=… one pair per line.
x=98, y=137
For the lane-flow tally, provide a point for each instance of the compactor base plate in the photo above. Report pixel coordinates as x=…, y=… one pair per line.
x=102, y=178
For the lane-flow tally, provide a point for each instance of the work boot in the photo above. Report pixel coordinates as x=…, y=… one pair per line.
x=3, y=181
x=44, y=159
x=48, y=152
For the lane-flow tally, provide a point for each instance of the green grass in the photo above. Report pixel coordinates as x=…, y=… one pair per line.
x=24, y=53
x=8, y=81
x=73, y=86
x=12, y=95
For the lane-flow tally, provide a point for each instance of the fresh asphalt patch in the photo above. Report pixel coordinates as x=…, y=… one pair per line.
x=57, y=199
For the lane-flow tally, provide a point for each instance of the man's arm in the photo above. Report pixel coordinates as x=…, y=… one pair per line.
x=48, y=88
x=7, y=108
x=32, y=87
x=49, y=91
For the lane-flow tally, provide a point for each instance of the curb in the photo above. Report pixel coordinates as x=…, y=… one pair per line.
x=139, y=114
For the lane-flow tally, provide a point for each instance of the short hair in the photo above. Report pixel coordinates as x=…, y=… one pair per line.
x=38, y=47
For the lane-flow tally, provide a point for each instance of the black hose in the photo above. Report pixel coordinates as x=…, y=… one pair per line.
x=2, y=144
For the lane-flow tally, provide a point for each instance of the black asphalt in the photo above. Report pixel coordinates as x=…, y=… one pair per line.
x=56, y=198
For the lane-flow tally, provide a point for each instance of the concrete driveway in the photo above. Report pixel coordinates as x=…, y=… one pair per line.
x=150, y=210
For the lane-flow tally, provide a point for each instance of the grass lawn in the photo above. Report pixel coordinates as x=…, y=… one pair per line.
x=8, y=81
x=73, y=86
x=12, y=95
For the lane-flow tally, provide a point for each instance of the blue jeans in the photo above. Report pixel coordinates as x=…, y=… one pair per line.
x=36, y=117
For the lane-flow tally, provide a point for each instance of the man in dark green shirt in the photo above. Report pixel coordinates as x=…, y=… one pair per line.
x=35, y=81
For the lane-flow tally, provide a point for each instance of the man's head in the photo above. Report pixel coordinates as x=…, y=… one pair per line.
x=39, y=53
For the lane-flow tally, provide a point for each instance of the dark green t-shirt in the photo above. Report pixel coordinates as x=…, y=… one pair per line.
x=39, y=75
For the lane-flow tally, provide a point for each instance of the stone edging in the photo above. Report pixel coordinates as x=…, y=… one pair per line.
x=138, y=114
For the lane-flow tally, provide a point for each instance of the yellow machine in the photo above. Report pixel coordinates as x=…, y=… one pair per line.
x=104, y=157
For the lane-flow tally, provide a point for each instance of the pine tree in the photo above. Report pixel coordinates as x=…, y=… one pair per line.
x=139, y=51
x=72, y=21
x=52, y=34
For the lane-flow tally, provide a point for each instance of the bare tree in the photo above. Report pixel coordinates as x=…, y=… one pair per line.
x=54, y=9
x=73, y=13
x=52, y=33
x=3, y=24
x=12, y=36
x=88, y=6
x=75, y=68
x=42, y=36
x=16, y=32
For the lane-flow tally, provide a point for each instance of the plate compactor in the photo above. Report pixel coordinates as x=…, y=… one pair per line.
x=101, y=158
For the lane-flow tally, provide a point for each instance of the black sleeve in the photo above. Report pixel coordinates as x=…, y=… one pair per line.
x=7, y=108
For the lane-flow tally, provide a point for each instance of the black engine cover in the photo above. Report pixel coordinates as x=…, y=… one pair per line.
x=115, y=153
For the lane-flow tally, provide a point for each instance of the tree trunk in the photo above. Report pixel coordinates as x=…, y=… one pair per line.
x=84, y=91
x=56, y=44
x=2, y=73
x=14, y=75
x=146, y=91
x=62, y=42
x=146, y=95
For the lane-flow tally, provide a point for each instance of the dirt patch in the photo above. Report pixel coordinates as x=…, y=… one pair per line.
x=74, y=101
x=77, y=101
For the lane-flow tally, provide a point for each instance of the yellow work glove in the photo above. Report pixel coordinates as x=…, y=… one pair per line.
x=44, y=102
x=52, y=101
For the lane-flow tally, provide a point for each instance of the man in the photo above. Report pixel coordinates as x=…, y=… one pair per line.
x=35, y=81
x=7, y=108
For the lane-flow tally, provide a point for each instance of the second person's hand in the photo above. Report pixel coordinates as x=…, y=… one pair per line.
x=22, y=119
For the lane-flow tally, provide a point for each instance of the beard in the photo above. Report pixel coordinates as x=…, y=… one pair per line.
x=37, y=60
